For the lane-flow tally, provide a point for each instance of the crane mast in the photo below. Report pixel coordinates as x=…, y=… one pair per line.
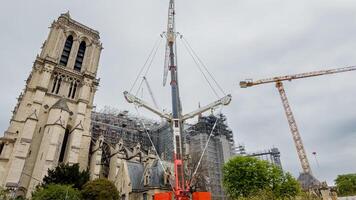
x=176, y=118
x=181, y=192
x=294, y=129
x=306, y=176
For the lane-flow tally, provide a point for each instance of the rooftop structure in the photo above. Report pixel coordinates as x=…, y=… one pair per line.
x=272, y=155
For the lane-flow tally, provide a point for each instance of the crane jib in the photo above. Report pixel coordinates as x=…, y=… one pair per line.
x=250, y=82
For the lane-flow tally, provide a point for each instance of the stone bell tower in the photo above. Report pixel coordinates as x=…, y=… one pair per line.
x=51, y=121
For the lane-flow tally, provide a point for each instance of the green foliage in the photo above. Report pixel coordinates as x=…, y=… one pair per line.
x=268, y=195
x=261, y=195
x=287, y=187
x=4, y=194
x=250, y=177
x=56, y=192
x=100, y=189
x=308, y=196
x=346, y=184
x=67, y=175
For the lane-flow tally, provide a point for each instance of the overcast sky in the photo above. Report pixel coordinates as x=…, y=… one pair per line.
x=237, y=39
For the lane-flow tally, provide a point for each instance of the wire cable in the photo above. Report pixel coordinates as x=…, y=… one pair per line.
x=144, y=65
x=206, y=146
x=200, y=69
x=205, y=67
x=152, y=57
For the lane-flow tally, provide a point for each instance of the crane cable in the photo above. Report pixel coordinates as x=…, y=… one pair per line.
x=153, y=145
x=203, y=65
x=206, y=146
x=200, y=69
x=155, y=47
x=149, y=66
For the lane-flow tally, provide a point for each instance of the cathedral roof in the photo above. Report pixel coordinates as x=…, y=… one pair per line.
x=137, y=171
x=61, y=104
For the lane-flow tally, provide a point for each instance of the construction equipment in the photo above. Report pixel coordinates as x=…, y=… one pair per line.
x=181, y=188
x=150, y=91
x=306, y=177
x=272, y=155
x=171, y=41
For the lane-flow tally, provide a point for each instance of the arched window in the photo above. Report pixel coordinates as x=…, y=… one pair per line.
x=54, y=84
x=72, y=89
x=80, y=56
x=66, y=51
x=58, y=86
x=1, y=147
x=64, y=146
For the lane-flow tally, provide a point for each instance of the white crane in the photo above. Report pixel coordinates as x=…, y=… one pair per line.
x=181, y=188
x=291, y=120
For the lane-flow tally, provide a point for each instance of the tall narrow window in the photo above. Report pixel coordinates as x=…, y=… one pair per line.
x=64, y=146
x=66, y=51
x=58, y=85
x=80, y=57
x=1, y=147
x=74, y=89
x=54, y=83
x=70, y=89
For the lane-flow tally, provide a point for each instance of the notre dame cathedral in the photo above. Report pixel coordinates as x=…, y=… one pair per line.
x=51, y=121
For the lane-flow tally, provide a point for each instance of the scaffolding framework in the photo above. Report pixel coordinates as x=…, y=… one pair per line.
x=116, y=126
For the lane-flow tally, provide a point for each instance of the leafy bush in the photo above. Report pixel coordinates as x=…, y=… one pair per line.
x=66, y=175
x=4, y=194
x=346, y=184
x=56, y=192
x=100, y=189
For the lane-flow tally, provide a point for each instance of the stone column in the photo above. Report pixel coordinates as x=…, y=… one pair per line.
x=73, y=54
x=75, y=140
x=114, y=165
x=23, y=143
x=87, y=57
x=52, y=141
x=95, y=160
x=21, y=150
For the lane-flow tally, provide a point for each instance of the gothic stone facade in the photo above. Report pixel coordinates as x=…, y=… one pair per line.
x=51, y=122
x=137, y=174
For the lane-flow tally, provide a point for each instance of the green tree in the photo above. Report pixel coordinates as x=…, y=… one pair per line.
x=4, y=194
x=56, y=192
x=288, y=187
x=346, y=184
x=66, y=175
x=100, y=189
x=7, y=194
x=247, y=177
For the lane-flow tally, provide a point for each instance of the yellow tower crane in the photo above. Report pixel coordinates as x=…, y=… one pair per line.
x=306, y=178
